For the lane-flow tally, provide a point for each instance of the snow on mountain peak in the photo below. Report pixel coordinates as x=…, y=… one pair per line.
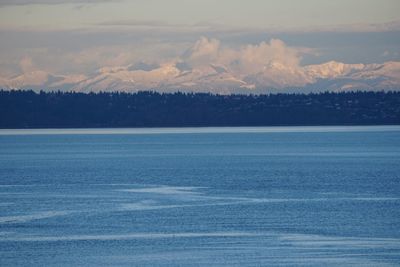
x=217, y=77
x=332, y=69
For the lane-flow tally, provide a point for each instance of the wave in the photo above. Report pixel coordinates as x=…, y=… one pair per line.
x=31, y=217
x=127, y=236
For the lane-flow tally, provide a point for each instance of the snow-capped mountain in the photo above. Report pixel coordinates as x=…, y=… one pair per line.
x=217, y=78
x=41, y=80
x=337, y=76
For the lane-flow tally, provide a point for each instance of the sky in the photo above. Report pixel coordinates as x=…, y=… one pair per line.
x=83, y=37
x=56, y=14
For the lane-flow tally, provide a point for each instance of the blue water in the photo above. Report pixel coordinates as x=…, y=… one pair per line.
x=300, y=196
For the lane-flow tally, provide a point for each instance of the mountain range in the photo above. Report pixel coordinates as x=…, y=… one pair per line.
x=217, y=78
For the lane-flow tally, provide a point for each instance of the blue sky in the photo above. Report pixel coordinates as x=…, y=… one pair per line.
x=83, y=36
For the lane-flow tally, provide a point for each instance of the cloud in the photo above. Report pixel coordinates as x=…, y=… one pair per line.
x=210, y=64
x=49, y=2
x=136, y=59
x=254, y=58
x=26, y=64
x=245, y=59
x=270, y=63
x=141, y=23
x=360, y=27
x=203, y=51
x=206, y=63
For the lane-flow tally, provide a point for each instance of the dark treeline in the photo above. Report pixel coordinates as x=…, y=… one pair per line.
x=27, y=109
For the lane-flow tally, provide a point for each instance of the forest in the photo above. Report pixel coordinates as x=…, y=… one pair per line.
x=29, y=109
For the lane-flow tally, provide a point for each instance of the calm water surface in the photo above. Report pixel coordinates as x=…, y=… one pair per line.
x=301, y=196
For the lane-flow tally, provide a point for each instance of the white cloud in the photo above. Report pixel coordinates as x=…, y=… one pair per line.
x=26, y=64
x=259, y=58
x=203, y=52
x=271, y=63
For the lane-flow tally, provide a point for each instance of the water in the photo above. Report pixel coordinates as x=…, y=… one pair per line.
x=300, y=196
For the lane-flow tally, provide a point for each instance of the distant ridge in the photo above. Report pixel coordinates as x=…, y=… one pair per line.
x=275, y=77
x=28, y=109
